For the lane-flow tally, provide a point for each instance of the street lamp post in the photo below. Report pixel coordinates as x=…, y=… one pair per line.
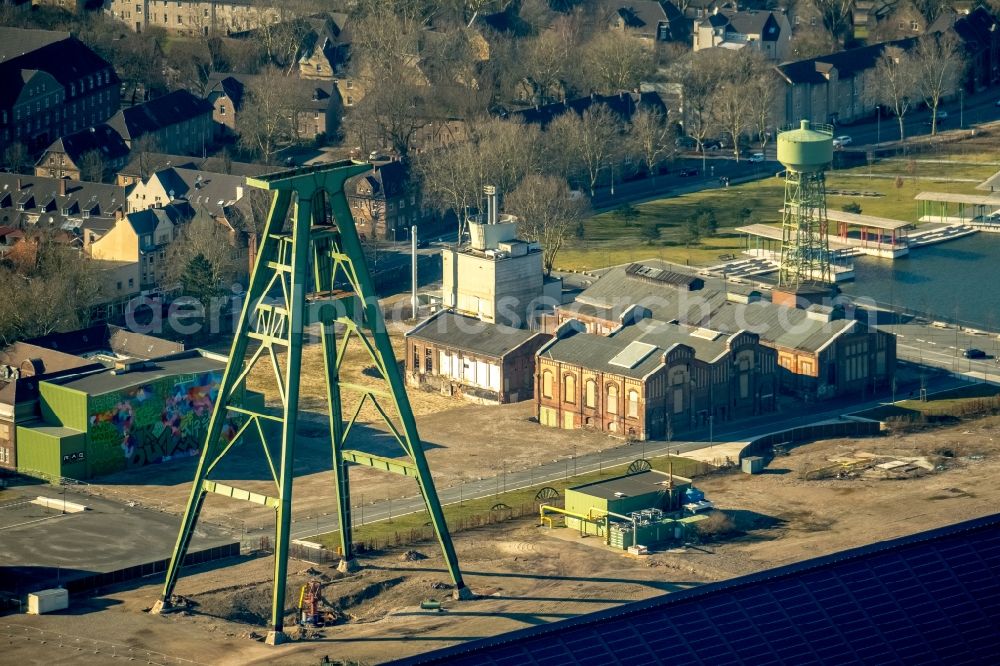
x=878, y=125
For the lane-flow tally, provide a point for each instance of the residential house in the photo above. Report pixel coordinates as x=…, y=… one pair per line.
x=698, y=9
x=51, y=85
x=766, y=31
x=83, y=151
x=624, y=105
x=459, y=355
x=891, y=20
x=22, y=366
x=384, y=202
x=318, y=105
x=68, y=208
x=647, y=19
x=650, y=379
x=836, y=88
x=325, y=47
x=979, y=32
x=201, y=189
x=143, y=237
x=823, y=351
x=175, y=196
x=142, y=165
x=194, y=17
x=178, y=122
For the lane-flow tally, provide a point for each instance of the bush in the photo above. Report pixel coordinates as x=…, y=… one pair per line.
x=718, y=525
x=851, y=207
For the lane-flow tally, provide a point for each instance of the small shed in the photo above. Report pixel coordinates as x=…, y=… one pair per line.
x=47, y=601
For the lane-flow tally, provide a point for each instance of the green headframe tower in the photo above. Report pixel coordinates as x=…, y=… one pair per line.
x=805, y=152
x=310, y=271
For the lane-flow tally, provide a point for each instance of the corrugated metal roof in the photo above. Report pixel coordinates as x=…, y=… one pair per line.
x=710, y=308
x=456, y=331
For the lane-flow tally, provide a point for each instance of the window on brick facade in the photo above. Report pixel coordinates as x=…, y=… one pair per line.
x=633, y=404
x=569, y=389
x=591, y=397
x=547, y=384
x=612, y=403
x=428, y=360
x=416, y=358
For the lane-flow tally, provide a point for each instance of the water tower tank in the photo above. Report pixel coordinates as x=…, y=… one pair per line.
x=807, y=149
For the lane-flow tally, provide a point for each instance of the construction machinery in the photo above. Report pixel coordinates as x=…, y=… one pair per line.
x=310, y=597
x=309, y=273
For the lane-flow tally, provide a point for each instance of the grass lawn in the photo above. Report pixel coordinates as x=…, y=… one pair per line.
x=947, y=403
x=466, y=512
x=608, y=242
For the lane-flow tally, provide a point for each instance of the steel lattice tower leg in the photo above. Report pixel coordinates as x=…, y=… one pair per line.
x=294, y=285
x=805, y=233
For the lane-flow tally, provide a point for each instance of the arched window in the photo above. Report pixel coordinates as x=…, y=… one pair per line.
x=547, y=384
x=612, y=399
x=591, y=393
x=569, y=388
x=633, y=404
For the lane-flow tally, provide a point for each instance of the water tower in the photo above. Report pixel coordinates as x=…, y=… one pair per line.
x=805, y=270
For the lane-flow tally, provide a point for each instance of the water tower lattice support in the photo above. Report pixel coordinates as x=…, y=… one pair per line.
x=805, y=236
x=303, y=259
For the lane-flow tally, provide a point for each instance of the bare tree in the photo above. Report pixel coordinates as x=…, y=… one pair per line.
x=92, y=166
x=269, y=117
x=651, y=137
x=547, y=212
x=45, y=286
x=617, y=61
x=810, y=42
x=899, y=74
x=546, y=59
x=762, y=93
x=699, y=78
x=16, y=157
x=590, y=142
x=731, y=107
x=189, y=65
x=499, y=153
x=939, y=64
x=836, y=15
x=142, y=148
x=208, y=238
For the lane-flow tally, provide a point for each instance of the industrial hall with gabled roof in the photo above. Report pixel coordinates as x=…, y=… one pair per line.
x=823, y=351
x=650, y=379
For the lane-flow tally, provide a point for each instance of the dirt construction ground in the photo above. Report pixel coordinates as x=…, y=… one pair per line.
x=463, y=441
x=528, y=575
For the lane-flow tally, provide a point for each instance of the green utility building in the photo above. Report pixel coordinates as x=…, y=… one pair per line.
x=631, y=508
x=135, y=414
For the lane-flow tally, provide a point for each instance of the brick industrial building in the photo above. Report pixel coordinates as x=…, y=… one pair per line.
x=650, y=379
x=822, y=351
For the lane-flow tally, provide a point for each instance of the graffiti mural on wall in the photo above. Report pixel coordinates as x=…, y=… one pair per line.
x=154, y=422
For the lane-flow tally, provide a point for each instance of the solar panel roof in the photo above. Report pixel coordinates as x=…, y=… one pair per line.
x=929, y=598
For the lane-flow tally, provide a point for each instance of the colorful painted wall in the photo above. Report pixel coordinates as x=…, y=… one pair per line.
x=151, y=423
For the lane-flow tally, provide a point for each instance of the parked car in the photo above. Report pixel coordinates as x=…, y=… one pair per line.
x=713, y=144
x=685, y=143
x=684, y=173
x=756, y=157
x=942, y=114
x=422, y=243
x=841, y=141
x=974, y=353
